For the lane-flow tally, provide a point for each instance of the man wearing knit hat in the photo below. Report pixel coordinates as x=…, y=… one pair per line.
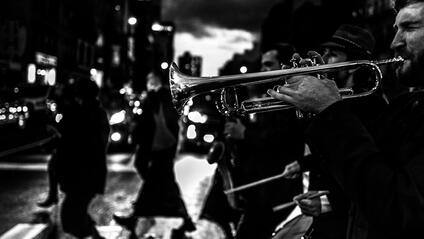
x=353, y=39
x=331, y=212
x=349, y=43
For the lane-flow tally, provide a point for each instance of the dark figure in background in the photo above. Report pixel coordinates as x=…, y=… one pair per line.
x=81, y=158
x=380, y=168
x=53, y=190
x=331, y=211
x=276, y=57
x=64, y=97
x=156, y=135
x=263, y=154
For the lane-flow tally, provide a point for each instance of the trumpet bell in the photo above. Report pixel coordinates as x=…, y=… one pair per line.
x=179, y=86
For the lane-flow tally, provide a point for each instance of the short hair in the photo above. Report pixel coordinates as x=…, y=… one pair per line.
x=399, y=4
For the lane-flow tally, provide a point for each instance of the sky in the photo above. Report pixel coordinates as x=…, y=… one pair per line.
x=217, y=29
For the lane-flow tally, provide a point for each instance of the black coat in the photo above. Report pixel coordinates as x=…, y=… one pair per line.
x=273, y=141
x=381, y=170
x=159, y=194
x=81, y=161
x=270, y=143
x=145, y=126
x=334, y=224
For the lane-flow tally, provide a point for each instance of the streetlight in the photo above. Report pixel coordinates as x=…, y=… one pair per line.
x=132, y=21
x=164, y=65
x=243, y=69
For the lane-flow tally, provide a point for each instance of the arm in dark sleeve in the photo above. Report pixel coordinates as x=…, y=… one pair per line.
x=279, y=132
x=308, y=162
x=390, y=195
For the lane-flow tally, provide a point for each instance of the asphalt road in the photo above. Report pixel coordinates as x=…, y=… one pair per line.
x=23, y=182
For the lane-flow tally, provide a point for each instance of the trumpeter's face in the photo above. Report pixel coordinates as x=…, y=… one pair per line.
x=409, y=44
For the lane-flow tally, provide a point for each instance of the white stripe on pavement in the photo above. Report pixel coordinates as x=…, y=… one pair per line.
x=25, y=231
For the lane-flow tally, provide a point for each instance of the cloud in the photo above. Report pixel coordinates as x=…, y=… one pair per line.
x=216, y=49
x=193, y=15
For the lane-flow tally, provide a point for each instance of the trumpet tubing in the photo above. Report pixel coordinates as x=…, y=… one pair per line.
x=184, y=87
x=268, y=104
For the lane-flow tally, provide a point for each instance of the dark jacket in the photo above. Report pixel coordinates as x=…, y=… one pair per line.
x=270, y=143
x=273, y=141
x=380, y=169
x=160, y=194
x=334, y=224
x=146, y=126
x=82, y=149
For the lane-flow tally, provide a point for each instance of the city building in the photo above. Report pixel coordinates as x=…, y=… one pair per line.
x=246, y=62
x=190, y=64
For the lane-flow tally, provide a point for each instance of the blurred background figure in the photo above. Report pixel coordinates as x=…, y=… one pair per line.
x=156, y=136
x=81, y=176
x=277, y=56
x=64, y=96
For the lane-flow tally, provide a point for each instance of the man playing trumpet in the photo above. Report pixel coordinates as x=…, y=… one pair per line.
x=330, y=212
x=381, y=169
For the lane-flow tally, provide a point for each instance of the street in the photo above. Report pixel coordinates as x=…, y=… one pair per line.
x=24, y=182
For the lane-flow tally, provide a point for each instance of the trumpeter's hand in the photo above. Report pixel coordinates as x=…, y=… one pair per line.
x=307, y=93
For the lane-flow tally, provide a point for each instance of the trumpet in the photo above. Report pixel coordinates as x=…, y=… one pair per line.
x=184, y=87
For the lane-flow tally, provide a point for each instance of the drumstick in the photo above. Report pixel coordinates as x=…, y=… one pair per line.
x=289, y=204
x=253, y=184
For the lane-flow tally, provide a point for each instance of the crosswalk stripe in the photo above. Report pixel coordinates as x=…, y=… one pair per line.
x=25, y=231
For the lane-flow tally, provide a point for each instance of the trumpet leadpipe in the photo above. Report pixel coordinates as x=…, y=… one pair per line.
x=184, y=87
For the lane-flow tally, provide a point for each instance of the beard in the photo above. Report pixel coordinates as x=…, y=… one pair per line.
x=411, y=72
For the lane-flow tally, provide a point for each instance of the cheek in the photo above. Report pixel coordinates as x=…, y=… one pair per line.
x=420, y=54
x=416, y=45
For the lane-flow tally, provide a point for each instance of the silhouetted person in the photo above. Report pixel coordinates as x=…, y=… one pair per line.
x=81, y=158
x=63, y=96
x=156, y=136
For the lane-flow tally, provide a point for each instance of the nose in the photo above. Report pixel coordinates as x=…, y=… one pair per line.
x=398, y=41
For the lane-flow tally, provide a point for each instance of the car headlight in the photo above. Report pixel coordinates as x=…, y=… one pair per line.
x=117, y=117
x=197, y=117
x=116, y=136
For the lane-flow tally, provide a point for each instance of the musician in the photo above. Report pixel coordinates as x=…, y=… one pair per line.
x=277, y=56
x=379, y=168
x=330, y=212
x=262, y=154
